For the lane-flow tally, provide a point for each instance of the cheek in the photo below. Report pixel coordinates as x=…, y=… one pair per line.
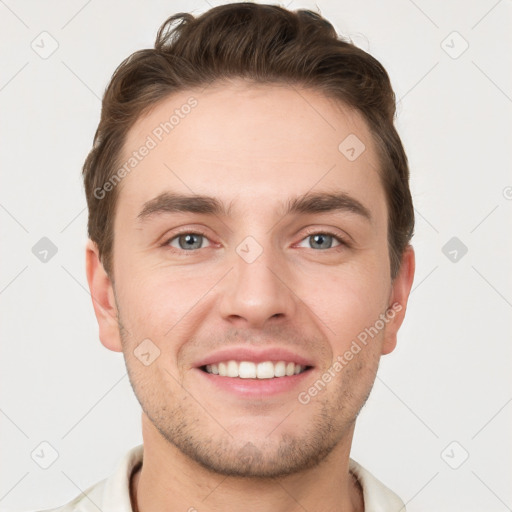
x=153, y=302
x=347, y=303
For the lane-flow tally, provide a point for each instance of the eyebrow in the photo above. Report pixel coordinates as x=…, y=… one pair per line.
x=309, y=203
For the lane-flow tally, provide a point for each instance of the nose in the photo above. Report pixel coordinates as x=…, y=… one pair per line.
x=258, y=292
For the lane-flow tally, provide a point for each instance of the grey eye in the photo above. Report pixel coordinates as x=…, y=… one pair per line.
x=188, y=241
x=321, y=241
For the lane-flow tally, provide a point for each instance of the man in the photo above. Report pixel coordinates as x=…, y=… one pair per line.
x=249, y=224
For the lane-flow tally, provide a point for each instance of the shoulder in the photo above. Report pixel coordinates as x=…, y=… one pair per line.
x=377, y=497
x=88, y=501
x=109, y=495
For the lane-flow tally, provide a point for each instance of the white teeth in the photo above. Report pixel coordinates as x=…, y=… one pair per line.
x=232, y=369
x=280, y=369
x=265, y=370
x=247, y=370
x=250, y=370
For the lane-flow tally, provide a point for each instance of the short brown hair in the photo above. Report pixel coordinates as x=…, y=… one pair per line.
x=262, y=44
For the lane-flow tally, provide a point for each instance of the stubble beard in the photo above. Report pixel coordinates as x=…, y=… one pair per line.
x=187, y=426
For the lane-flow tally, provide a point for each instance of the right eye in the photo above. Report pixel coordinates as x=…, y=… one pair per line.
x=187, y=241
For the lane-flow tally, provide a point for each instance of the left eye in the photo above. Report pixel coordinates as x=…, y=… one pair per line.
x=322, y=240
x=187, y=241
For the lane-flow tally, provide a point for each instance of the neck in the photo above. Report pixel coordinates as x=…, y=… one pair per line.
x=169, y=480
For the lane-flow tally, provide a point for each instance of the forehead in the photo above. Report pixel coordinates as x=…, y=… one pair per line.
x=249, y=142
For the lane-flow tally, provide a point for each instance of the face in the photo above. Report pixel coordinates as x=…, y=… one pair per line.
x=250, y=258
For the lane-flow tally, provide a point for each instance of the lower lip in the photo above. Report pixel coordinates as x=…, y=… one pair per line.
x=257, y=388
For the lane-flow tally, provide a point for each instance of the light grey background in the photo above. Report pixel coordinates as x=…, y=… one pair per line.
x=449, y=378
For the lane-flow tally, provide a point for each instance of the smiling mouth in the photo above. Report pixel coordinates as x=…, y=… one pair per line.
x=250, y=370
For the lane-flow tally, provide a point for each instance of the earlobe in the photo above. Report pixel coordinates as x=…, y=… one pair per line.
x=401, y=288
x=103, y=300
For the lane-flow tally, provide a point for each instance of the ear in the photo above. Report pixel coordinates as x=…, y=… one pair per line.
x=103, y=301
x=401, y=288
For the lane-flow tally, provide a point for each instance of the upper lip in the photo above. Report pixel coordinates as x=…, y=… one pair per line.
x=254, y=355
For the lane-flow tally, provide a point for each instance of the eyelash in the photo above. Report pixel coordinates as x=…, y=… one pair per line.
x=342, y=242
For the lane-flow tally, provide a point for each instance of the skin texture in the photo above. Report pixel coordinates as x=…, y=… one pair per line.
x=252, y=147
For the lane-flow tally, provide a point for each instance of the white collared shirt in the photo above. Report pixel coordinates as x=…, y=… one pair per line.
x=113, y=493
